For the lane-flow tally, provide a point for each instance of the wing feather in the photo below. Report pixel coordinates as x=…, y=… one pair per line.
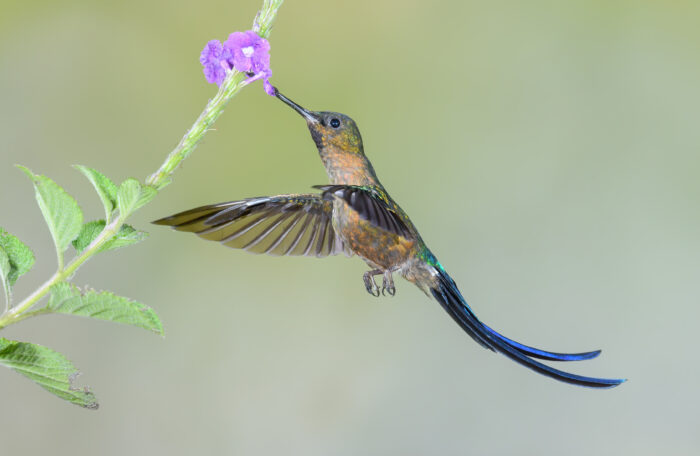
x=371, y=206
x=299, y=235
x=277, y=225
x=312, y=237
x=284, y=232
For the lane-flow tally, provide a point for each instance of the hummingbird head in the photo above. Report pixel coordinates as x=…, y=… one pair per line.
x=329, y=130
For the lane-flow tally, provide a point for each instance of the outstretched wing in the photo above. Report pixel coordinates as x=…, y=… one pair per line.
x=369, y=206
x=278, y=225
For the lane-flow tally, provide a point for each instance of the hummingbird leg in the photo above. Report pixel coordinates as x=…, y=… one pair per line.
x=388, y=283
x=370, y=285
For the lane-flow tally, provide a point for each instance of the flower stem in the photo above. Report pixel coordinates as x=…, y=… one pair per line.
x=231, y=85
x=233, y=82
x=266, y=17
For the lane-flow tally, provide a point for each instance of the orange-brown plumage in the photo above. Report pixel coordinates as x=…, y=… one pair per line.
x=355, y=215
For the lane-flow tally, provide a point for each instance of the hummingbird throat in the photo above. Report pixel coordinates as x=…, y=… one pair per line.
x=347, y=168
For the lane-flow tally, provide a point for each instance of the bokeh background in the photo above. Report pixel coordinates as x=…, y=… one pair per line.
x=548, y=151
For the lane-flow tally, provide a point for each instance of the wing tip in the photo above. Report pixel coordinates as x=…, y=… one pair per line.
x=167, y=221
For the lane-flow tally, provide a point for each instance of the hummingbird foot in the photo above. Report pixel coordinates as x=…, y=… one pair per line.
x=370, y=285
x=388, y=284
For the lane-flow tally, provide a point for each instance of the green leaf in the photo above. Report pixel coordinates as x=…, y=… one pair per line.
x=147, y=194
x=132, y=195
x=15, y=260
x=60, y=210
x=5, y=270
x=5, y=267
x=21, y=257
x=128, y=196
x=68, y=299
x=49, y=369
x=104, y=186
x=127, y=235
x=88, y=233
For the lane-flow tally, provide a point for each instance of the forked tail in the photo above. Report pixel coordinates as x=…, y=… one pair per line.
x=446, y=292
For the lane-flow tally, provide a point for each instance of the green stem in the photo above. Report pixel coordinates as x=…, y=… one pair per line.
x=232, y=84
x=33, y=313
x=8, y=296
x=59, y=257
x=266, y=17
x=17, y=313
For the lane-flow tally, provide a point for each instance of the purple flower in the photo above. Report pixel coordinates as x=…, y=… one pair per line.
x=243, y=51
x=269, y=88
x=251, y=54
x=214, y=62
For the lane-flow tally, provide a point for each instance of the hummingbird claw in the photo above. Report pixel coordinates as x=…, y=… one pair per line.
x=388, y=284
x=370, y=285
x=372, y=289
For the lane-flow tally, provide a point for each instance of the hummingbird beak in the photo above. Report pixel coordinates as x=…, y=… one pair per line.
x=308, y=115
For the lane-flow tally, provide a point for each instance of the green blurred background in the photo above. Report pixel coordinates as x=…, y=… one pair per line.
x=548, y=151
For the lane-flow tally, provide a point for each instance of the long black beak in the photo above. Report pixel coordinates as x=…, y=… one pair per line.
x=308, y=115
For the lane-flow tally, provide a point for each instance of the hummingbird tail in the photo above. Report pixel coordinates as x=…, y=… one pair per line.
x=446, y=292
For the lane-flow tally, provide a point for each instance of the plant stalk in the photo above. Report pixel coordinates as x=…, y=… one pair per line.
x=231, y=85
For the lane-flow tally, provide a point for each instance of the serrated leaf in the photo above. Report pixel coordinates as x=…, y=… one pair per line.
x=68, y=299
x=21, y=256
x=5, y=270
x=60, y=210
x=128, y=196
x=127, y=235
x=49, y=369
x=132, y=195
x=88, y=233
x=104, y=186
x=60, y=293
x=147, y=194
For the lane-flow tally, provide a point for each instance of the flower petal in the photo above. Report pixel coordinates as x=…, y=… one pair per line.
x=210, y=58
x=269, y=88
x=242, y=51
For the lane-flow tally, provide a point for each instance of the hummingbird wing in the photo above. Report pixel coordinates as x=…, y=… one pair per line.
x=279, y=225
x=375, y=206
x=370, y=205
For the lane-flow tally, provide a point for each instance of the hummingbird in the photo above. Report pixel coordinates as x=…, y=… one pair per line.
x=354, y=215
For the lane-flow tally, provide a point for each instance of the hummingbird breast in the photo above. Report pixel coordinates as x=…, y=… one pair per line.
x=379, y=248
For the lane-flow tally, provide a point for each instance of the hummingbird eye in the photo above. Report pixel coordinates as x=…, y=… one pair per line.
x=335, y=123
